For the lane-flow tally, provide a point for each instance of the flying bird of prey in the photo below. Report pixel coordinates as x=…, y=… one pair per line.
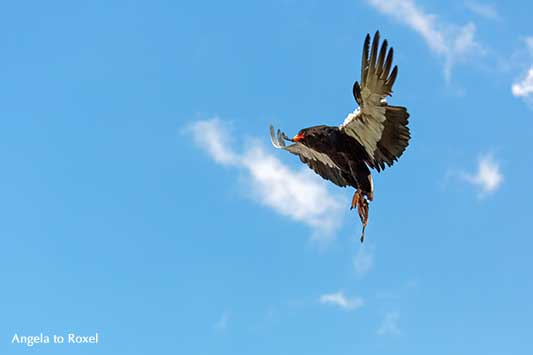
x=375, y=135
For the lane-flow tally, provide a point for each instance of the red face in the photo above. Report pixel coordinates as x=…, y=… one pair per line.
x=298, y=137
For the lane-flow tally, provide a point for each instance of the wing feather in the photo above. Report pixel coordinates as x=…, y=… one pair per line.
x=381, y=129
x=364, y=61
x=388, y=64
x=320, y=163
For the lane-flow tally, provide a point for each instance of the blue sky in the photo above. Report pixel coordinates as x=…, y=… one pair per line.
x=141, y=198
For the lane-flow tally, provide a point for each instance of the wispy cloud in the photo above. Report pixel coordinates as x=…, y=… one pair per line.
x=299, y=195
x=363, y=261
x=340, y=300
x=222, y=323
x=389, y=324
x=523, y=87
x=211, y=135
x=488, y=177
x=454, y=43
x=485, y=10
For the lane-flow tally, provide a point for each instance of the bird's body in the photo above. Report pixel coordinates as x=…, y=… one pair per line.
x=344, y=151
x=375, y=135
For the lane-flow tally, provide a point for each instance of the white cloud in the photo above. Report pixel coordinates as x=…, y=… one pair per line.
x=524, y=87
x=222, y=323
x=452, y=42
x=487, y=11
x=389, y=325
x=488, y=177
x=363, y=261
x=340, y=300
x=299, y=195
x=211, y=136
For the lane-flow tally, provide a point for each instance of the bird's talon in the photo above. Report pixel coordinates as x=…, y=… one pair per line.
x=362, y=204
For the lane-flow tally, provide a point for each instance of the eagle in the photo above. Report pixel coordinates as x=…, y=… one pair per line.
x=373, y=136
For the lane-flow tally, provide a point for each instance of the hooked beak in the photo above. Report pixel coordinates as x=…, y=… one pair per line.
x=298, y=137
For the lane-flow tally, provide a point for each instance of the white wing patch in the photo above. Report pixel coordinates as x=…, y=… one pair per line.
x=365, y=124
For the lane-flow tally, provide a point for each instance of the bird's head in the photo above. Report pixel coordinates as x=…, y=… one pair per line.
x=311, y=135
x=299, y=137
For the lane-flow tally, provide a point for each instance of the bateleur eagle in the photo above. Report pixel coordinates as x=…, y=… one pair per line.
x=375, y=135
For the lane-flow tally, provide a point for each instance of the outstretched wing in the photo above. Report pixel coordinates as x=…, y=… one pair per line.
x=381, y=129
x=320, y=163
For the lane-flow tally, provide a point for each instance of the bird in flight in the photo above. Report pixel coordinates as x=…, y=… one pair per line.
x=375, y=135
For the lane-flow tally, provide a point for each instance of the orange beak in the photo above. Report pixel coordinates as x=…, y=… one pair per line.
x=298, y=137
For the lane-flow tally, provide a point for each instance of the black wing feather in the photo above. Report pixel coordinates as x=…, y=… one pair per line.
x=319, y=162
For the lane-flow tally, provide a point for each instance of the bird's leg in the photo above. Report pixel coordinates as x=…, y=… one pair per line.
x=355, y=198
x=363, y=215
x=364, y=190
x=361, y=202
